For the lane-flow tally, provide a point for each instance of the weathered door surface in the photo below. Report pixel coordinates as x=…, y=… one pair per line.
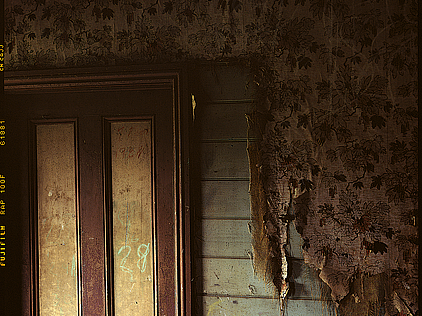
x=96, y=164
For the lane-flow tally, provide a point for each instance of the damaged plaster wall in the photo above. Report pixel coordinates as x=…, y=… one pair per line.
x=338, y=105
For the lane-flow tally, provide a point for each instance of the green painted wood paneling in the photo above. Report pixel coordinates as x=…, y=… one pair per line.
x=226, y=238
x=225, y=199
x=309, y=308
x=234, y=306
x=224, y=121
x=224, y=160
x=234, y=277
x=223, y=265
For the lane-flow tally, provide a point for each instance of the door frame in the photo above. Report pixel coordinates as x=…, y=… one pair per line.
x=120, y=78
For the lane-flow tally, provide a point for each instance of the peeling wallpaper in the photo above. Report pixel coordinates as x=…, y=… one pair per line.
x=337, y=100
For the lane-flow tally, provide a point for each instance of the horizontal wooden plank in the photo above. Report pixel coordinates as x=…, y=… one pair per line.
x=265, y=307
x=224, y=160
x=226, y=238
x=213, y=306
x=309, y=308
x=233, y=277
x=225, y=199
x=222, y=82
x=236, y=277
x=305, y=282
x=222, y=121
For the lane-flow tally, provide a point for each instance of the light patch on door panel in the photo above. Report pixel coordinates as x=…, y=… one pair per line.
x=57, y=220
x=131, y=164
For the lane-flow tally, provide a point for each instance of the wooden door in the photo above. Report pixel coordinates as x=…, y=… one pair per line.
x=98, y=187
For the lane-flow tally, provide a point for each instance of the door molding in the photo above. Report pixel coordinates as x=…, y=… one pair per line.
x=93, y=79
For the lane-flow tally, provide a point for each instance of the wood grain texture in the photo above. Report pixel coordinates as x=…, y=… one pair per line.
x=226, y=238
x=224, y=160
x=228, y=283
x=93, y=259
x=235, y=306
x=88, y=96
x=57, y=220
x=233, y=277
x=222, y=120
x=225, y=199
x=133, y=239
x=309, y=307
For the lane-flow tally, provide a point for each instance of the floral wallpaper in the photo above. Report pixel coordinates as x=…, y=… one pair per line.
x=337, y=109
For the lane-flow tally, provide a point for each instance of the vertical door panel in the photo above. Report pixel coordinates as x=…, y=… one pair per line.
x=57, y=220
x=132, y=200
